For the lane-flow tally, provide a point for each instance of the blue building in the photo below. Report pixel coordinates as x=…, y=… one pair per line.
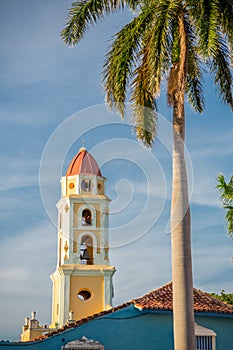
x=143, y=323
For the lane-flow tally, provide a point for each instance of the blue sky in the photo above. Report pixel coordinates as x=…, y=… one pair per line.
x=52, y=94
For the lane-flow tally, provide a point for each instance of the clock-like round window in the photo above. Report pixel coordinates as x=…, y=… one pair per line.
x=86, y=185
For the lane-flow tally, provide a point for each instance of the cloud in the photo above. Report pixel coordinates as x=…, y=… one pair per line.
x=213, y=266
x=18, y=172
x=142, y=266
x=219, y=145
x=26, y=261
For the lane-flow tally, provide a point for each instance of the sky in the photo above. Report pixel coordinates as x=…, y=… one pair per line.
x=52, y=98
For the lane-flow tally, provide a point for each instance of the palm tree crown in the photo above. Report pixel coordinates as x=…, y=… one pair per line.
x=148, y=49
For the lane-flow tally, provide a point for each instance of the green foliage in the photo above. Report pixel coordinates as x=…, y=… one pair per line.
x=147, y=49
x=226, y=192
x=227, y=298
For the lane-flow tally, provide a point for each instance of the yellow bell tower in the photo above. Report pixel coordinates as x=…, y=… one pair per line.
x=82, y=282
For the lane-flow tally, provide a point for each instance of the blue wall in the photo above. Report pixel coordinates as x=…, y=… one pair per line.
x=222, y=326
x=130, y=328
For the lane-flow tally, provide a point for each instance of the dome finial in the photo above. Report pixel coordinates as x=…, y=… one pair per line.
x=82, y=149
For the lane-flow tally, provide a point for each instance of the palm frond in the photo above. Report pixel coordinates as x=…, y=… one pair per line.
x=213, y=45
x=221, y=68
x=155, y=63
x=145, y=120
x=226, y=193
x=226, y=10
x=85, y=13
x=194, y=86
x=229, y=220
x=200, y=12
x=144, y=108
x=134, y=4
x=122, y=58
x=157, y=44
x=227, y=22
x=225, y=189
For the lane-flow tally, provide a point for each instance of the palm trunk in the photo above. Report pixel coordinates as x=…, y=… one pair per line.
x=183, y=315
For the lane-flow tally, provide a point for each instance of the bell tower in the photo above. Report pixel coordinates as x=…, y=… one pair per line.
x=82, y=282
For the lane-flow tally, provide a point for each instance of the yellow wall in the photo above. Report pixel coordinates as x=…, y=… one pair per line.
x=71, y=185
x=30, y=334
x=93, y=284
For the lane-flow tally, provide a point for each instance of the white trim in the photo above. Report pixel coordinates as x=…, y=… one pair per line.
x=201, y=331
x=66, y=298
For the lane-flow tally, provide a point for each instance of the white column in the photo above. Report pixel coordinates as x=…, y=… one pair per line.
x=64, y=299
x=108, y=290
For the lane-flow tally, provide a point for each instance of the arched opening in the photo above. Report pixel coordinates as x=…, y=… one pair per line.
x=86, y=250
x=86, y=217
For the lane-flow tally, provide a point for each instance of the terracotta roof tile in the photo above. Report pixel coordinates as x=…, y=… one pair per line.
x=83, y=163
x=161, y=299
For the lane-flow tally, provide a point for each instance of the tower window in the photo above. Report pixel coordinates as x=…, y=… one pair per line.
x=86, y=185
x=86, y=250
x=84, y=295
x=86, y=217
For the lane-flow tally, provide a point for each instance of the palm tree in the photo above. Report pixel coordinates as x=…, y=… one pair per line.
x=226, y=192
x=169, y=40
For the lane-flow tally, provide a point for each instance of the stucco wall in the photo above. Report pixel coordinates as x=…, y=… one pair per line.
x=222, y=326
x=130, y=328
x=123, y=330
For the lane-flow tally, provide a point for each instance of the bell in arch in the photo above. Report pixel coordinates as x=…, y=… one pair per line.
x=84, y=254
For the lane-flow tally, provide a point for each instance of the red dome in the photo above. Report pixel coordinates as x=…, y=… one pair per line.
x=83, y=163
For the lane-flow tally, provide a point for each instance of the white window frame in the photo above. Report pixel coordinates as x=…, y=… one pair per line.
x=203, y=332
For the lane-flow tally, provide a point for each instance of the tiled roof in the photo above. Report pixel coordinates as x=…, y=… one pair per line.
x=83, y=163
x=80, y=322
x=161, y=299
x=158, y=299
